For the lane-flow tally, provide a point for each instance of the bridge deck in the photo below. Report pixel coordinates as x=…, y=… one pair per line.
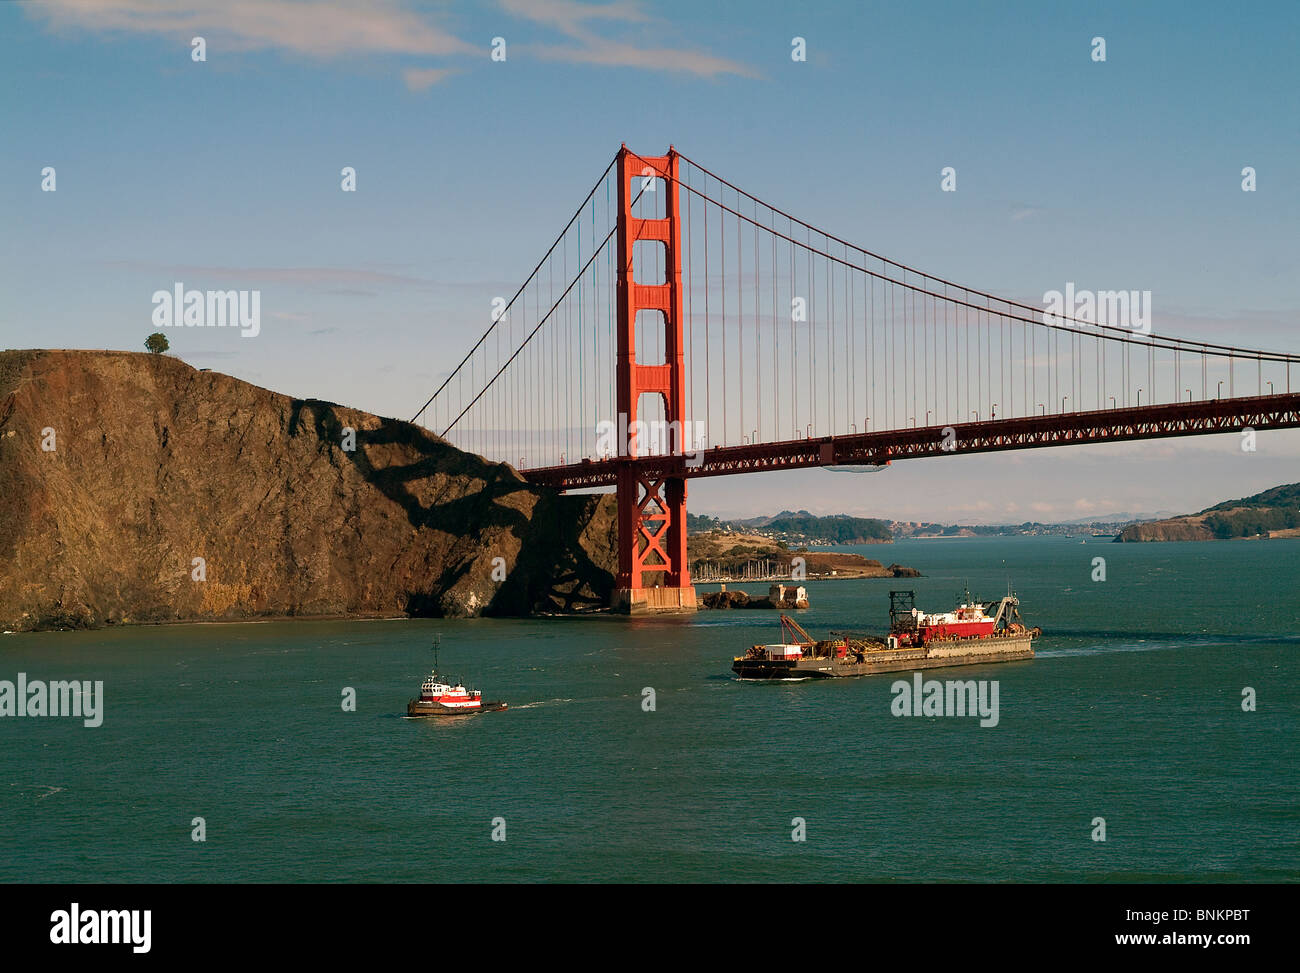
x=875, y=448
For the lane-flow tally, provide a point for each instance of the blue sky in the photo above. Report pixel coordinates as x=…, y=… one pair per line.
x=226, y=174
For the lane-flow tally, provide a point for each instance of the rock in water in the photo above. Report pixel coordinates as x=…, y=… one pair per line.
x=119, y=470
x=725, y=599
x=739, y=599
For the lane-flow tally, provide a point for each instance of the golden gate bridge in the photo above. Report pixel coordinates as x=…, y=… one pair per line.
x=682, y=327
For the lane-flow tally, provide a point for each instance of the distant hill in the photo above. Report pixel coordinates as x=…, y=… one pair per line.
x=1286, y=495
x=802, y=528
x=1273, y=513
x=764, y=521
x=722, y=552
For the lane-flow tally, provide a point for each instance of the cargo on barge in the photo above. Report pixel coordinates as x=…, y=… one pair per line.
x=974, y=632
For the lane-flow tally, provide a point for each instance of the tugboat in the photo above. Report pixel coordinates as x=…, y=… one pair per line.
x=438, y=698
x=965, y=636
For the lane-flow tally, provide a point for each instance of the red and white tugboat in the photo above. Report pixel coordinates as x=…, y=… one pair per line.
x=438, y=698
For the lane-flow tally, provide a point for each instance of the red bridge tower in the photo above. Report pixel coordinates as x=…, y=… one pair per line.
x=651, y=514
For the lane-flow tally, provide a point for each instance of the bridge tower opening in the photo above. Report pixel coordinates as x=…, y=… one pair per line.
x=653, y=571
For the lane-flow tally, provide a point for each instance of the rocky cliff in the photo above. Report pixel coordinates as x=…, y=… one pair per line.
x=1175, y=529
x=120, y=471
x=1273, y=513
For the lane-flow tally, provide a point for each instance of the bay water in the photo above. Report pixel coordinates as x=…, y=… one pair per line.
x=1132, y=712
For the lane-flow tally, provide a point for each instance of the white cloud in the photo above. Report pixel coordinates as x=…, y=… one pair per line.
x=422, y=79
x=334, y=28
x=305, y=276
x=570, y=15
x=613, y=54
x=570, y=18
x=320, y=28
x=1021, y=213
x=313, y=28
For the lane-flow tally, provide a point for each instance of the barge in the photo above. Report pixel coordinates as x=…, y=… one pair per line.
x=974, y=632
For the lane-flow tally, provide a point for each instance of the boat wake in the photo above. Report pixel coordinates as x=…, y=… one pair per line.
x=542, y=702
x=1203, y=637
x=39, y=791
x=1107, y=649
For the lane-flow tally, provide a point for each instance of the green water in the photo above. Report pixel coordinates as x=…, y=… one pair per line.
x=1131, y=712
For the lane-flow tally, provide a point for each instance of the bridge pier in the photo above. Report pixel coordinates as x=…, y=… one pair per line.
x=647, y=601
x=651, y=513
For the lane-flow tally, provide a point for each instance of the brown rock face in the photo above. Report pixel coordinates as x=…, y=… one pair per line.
x=155, y=464
x=898, y=571
x=739, y=599
x=1175, y=529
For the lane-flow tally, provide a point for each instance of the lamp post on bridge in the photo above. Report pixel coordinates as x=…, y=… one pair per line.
x=1219, y=394
x=1063, y=401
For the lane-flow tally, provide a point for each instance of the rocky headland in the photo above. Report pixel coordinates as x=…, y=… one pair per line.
x=717, y=552
x=1274, y=513
x=134, y=488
